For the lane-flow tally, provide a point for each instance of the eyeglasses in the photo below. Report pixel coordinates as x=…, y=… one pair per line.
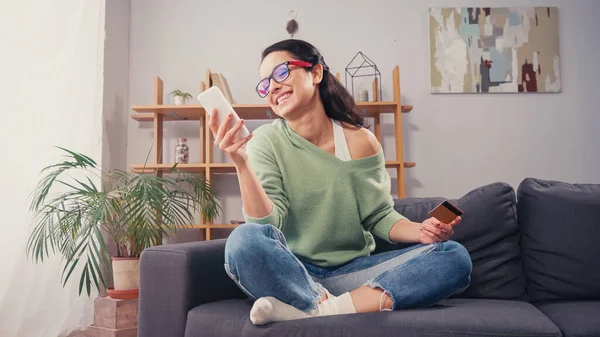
x=280, y=73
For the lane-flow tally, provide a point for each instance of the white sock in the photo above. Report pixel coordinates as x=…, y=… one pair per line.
x=333, y=305
x=269, y=309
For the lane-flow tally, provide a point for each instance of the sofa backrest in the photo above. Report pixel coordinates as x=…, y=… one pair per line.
x=490, y=233
x=560, y=226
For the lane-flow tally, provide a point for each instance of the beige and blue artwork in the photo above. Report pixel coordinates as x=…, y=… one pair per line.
x=494, y=50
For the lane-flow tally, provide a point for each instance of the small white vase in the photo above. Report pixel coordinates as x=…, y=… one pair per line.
x=126, y=273
x=179, y=100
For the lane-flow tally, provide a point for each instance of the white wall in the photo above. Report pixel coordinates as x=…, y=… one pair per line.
x=459, y=142
x=116, y=89
x=51, y=93
x=116, y=85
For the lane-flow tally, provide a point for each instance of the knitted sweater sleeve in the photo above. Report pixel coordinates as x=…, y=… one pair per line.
x=263, y=162
x=376, y=203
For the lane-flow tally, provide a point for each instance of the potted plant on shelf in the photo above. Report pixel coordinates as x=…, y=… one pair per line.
x=180, y=97
x=71, y=214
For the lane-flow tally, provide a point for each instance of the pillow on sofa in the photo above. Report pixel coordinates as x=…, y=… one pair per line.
x=490, y=233
x=560, y=226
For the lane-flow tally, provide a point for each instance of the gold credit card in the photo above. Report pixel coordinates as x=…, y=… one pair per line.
x=446, y=212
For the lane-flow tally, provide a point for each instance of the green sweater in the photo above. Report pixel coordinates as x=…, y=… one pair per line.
x=328, y=209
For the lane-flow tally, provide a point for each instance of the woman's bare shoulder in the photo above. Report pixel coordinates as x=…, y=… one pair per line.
x=361, y=142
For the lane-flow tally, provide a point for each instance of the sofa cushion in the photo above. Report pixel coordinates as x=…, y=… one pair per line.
x=490, y=233
x=452, y=318
x=574, y=318
x=560, y=226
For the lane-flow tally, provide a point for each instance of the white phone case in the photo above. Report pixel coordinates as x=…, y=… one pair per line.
x=213, y=98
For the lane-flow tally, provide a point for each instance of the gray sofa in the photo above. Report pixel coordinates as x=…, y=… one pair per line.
x=536, y=272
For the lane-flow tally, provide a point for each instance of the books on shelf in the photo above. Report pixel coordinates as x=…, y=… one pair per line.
x=219, y=81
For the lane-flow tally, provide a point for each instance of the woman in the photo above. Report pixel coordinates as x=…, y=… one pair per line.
x=315, y=192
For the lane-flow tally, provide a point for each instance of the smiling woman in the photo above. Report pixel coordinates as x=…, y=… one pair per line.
x=315, y=194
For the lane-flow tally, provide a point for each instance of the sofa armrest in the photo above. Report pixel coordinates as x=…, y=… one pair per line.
x=174, y=279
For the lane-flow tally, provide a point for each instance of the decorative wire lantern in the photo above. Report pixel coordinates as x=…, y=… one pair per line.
x=362, y=66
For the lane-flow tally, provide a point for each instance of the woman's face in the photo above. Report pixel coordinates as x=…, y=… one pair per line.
x=295, y=91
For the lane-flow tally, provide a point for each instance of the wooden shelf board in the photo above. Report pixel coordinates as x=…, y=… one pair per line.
x=143, y=117
x=194, y=112
x=246, y=111
x=218, y=167
x=196, y=167
x=392, y=164
x=138, y=168
x=230, y=168
x=224, y=226
x=169, y=112
x=222, y=168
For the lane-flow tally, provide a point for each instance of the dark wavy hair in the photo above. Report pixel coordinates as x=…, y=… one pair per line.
x=337, y=101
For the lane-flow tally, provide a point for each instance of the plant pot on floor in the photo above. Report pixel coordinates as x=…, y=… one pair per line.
x=126, y=278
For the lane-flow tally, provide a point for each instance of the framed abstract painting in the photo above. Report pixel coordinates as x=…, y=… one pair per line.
x=494, y=50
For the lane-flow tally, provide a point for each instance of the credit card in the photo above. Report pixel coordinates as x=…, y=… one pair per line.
x=446, y=212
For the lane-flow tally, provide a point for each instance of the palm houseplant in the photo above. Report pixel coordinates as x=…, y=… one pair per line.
x=76, y=218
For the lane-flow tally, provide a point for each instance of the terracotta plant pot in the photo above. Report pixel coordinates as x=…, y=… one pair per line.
x=126, y=277
x=123, y=294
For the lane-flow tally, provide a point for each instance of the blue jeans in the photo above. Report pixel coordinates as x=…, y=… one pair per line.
x=258, y=260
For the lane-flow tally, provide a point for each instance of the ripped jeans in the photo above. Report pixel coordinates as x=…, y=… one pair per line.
x=258, y=260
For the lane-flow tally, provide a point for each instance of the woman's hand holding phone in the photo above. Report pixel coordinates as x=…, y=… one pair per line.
x=224, y=134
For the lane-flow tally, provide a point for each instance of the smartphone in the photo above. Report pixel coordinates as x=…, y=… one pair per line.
x=213, y=98
x=446, y=212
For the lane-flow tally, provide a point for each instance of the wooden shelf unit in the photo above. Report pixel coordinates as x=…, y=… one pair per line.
x=158, y=113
